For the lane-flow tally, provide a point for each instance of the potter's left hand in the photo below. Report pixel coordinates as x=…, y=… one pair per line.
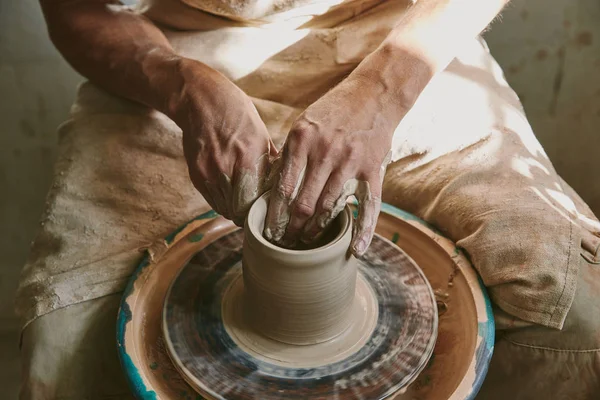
x=340, y=146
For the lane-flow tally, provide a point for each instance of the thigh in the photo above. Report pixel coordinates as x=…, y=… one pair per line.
x=467, y=161
x=536, y=362
x=120, y=185
x=71, y=353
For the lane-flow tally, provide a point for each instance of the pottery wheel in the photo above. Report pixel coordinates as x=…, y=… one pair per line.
x=388, y=344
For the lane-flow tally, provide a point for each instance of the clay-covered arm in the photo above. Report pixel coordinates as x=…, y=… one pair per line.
x=225, y=142
x=426, y=39
x=340, y=145
x=116, y=49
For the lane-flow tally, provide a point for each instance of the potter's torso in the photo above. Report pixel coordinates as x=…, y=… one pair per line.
x=284, y=52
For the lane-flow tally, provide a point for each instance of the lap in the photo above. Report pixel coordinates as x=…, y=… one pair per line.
x=478, y=173
x=536, y=362
x=71, y=353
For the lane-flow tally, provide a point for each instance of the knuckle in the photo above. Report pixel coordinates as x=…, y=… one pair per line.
x=301, y=131
x=303, y=210
x=328, y=204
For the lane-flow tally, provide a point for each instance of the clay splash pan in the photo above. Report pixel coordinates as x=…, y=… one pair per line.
x=455, y=369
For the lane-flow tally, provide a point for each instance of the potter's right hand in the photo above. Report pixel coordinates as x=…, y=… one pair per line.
x=226, y=144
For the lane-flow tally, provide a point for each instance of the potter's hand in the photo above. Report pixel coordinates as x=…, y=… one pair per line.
x=340, y=146
x=226, y=144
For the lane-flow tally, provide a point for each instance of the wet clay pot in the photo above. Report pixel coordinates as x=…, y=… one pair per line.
x=298, y=297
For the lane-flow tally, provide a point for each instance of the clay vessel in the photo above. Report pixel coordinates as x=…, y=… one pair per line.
x=298, y=297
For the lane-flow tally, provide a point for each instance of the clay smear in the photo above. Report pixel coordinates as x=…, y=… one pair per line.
x=233, y=199
x=364, y=319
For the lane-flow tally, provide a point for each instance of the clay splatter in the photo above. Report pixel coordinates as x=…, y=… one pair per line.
x=541, y=54
x=584, y=39
x=153, y=366
x=514, y=69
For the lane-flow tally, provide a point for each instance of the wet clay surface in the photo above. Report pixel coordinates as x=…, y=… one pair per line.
x=297, y=297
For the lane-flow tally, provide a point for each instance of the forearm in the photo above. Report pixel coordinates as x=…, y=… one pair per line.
x=424, y=42
x=122, y=52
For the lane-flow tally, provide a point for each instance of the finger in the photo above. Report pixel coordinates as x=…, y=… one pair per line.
x=369, y=204
x=331, y=202
x=274, y=166
x=305, y=204
x=249, y=185
x=283, y=194
x=275, y=169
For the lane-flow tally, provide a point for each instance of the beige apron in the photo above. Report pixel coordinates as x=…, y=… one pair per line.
x=465, y=157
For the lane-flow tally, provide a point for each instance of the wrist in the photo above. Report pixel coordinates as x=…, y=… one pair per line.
x=164, y=82
x=195, y=88
x=202, y=91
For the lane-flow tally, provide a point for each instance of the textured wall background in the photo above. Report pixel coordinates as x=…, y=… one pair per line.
x=550, y=50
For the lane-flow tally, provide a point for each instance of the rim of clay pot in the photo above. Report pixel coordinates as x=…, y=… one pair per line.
x=254, y=226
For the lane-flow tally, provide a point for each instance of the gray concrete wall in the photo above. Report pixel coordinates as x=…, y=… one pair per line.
x=36, y=91
x=550, y=50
